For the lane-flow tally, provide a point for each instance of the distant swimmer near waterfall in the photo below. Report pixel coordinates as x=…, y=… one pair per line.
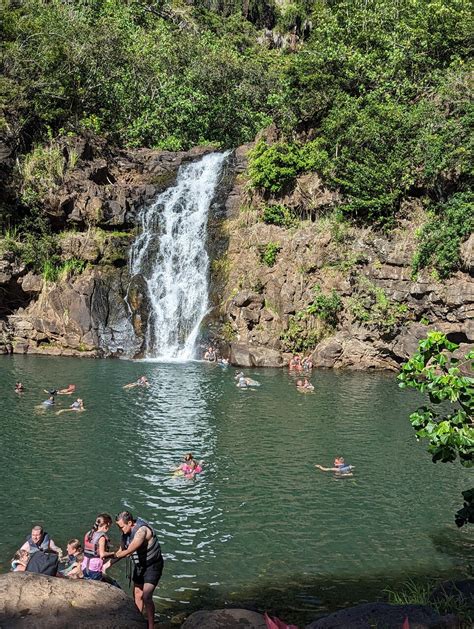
x=243, y=382
x=141, y=382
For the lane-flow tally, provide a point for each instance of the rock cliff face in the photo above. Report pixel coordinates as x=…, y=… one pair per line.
x=264, y=305
x=267, y=309
x=99, y=312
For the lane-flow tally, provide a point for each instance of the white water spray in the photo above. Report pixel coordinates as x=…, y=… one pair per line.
x=170, y=254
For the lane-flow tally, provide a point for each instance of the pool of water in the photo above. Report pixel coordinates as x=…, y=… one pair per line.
x=260, y=526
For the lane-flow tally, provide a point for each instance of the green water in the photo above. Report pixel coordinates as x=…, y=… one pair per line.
x=260, y=526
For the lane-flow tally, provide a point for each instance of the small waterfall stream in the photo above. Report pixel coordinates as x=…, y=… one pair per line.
x=170, y=254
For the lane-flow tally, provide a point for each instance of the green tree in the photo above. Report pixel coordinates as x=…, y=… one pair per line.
x=433, y=370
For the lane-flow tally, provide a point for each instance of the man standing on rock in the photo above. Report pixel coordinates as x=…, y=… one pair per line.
x=140, y=542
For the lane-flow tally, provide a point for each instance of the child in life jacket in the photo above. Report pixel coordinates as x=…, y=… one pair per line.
x=96, y=546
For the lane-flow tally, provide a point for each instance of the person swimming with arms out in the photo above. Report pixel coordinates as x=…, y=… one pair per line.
x=76, y=406
x=339, y=467
x=141, y=382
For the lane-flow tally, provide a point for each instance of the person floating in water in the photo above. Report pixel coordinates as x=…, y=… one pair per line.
x=49, y=402
x=68, y=391
x=304, y=386
x=189, y=468
x=141, y=382
x=243, y=382
x=76, y=406
x=19, y=388
x=340, y=467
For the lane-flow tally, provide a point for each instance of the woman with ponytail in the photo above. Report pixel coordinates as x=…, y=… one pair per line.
x=96, y=545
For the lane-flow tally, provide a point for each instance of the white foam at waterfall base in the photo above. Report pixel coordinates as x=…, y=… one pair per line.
x=170, y=254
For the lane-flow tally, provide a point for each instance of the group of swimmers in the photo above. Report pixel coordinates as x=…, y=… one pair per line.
x=77, y=405
x=91, y=558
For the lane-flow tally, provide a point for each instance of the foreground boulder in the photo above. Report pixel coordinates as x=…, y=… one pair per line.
x=36, y=601
x=225, y=619
x=369, y=615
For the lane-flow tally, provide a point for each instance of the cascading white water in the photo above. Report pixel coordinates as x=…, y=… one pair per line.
x=170, y=254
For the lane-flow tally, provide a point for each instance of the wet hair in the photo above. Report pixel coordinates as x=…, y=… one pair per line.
x=188, y=457
x=101, y=519
x=125, y=516
x=76, y=544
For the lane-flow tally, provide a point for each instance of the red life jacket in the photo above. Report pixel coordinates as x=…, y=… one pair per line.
x=91, y=546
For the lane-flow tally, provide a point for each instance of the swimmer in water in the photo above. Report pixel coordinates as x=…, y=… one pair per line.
x=76, y=406
x=340, y=470
x=19, y=388
x=68, y=391
x=49, y=401
x=192, y=469
x=141, y=382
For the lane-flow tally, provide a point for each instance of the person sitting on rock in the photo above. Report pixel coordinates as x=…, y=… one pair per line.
x=307, y=363
x=40, y=540
x=72, y=568
x=20, y=561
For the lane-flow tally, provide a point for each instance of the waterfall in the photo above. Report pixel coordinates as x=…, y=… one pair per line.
x=170, y=254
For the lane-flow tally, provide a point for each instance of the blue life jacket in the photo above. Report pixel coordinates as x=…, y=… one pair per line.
x=43, y=545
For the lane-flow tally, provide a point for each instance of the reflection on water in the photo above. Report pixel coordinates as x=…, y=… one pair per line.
x=260, y=525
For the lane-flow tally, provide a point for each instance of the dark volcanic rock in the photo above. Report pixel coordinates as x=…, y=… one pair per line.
x=369, y=615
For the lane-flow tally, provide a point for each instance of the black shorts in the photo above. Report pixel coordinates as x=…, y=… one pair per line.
x=148, y=574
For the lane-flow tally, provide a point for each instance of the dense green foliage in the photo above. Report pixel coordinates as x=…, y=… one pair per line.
x=450, y=432
x=440, y=238
x=374, y=95
x=279, y=215
x=309, y=326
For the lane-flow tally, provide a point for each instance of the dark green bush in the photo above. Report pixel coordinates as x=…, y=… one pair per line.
x=279, y=215
x=440, y=239
x=269, y=252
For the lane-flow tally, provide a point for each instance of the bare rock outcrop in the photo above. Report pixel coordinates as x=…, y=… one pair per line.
x=385, y=309
x=36, y=601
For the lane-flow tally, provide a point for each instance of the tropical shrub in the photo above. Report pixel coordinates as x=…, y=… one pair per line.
x=434, y=371
x=441, y=237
